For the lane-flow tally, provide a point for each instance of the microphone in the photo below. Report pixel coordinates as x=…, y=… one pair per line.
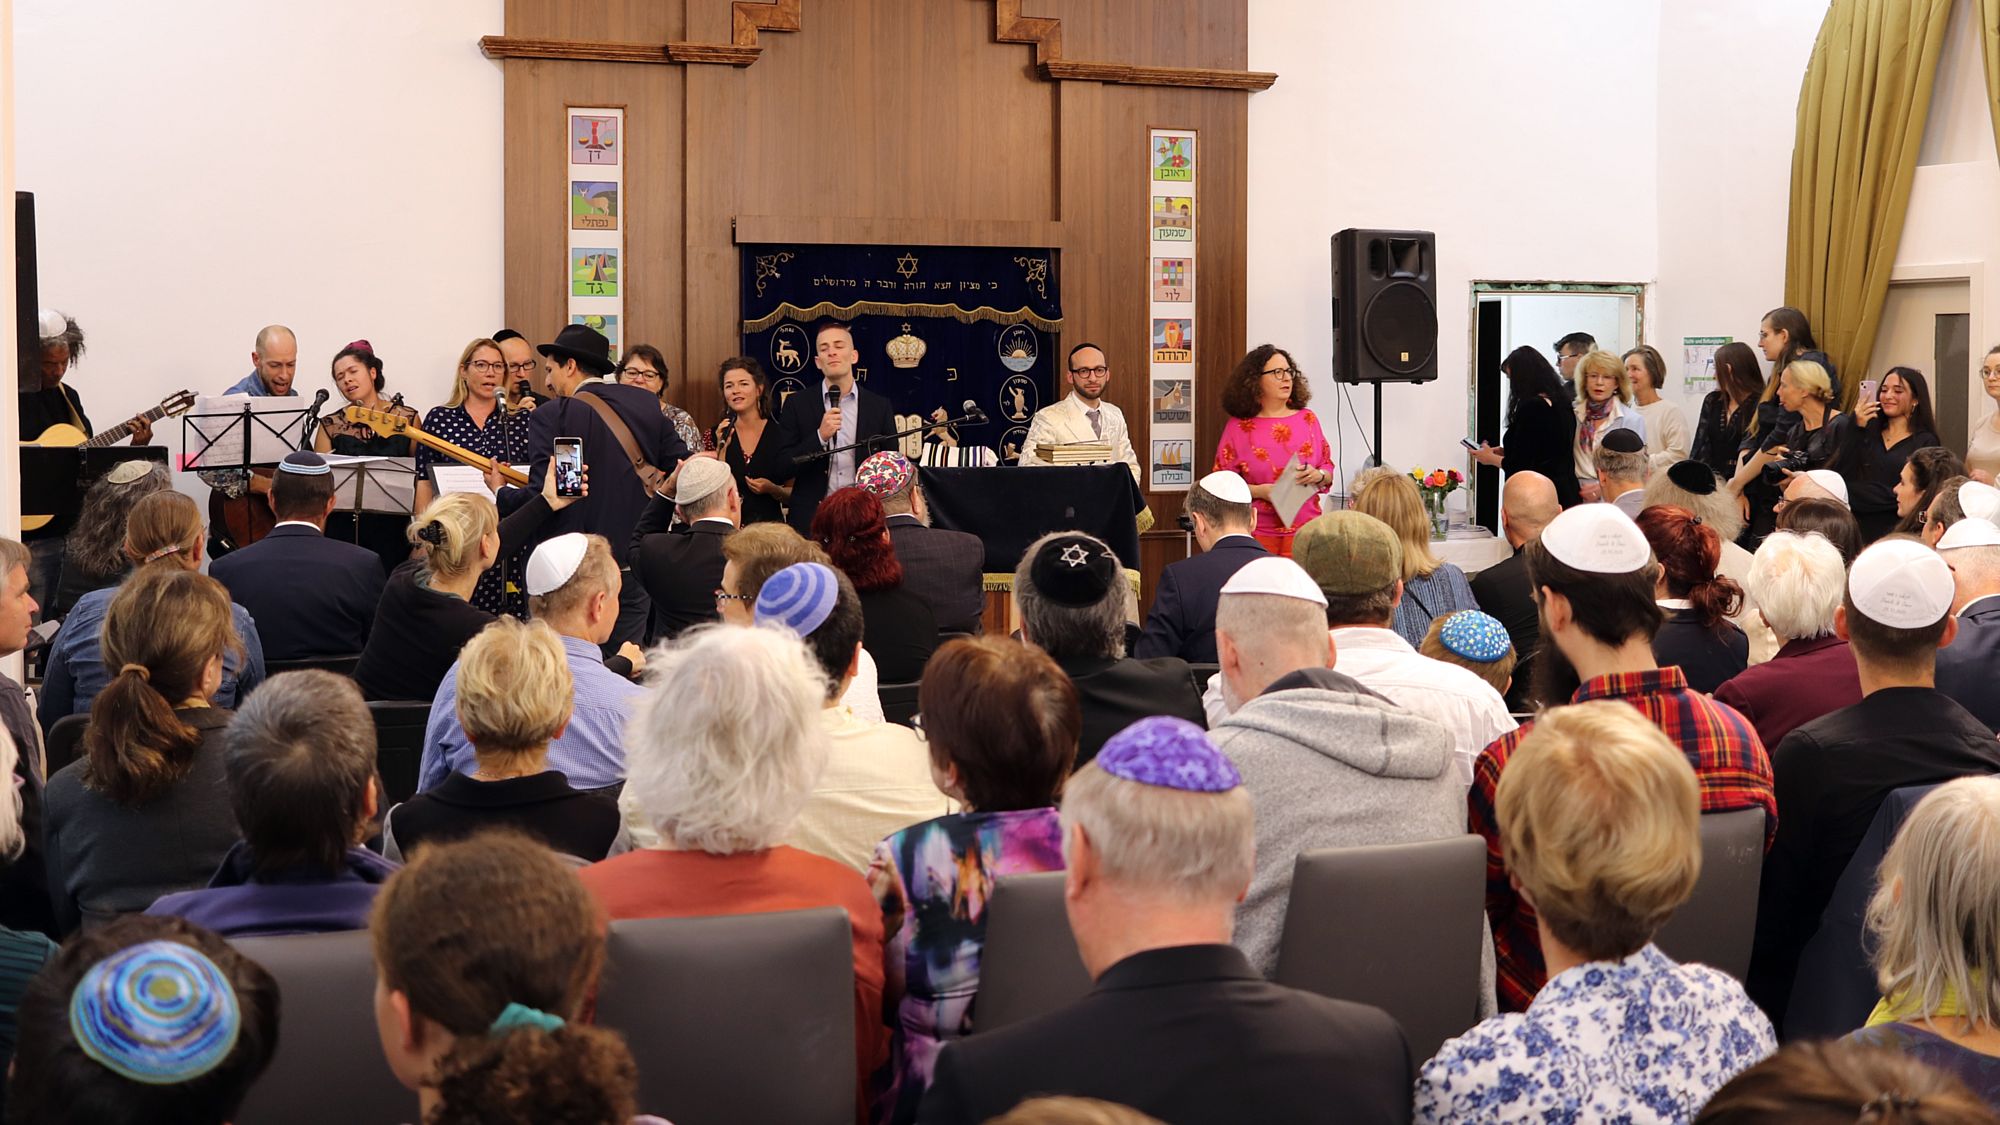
x=522, y=389
x=973, y=415
x=833, y=398
x=312, y=419
x=319, y=400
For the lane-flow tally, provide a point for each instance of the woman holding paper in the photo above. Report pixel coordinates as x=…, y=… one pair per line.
x=1266, y=395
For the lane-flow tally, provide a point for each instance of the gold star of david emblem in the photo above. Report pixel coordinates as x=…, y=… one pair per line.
x=907, y=265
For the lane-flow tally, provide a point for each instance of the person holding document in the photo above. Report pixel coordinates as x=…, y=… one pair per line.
x=1275, y=444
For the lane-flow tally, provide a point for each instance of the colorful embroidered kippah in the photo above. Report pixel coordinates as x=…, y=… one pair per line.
x=159, y=1012
x=1475, y=636
x=884, y=474
x=1170, y=753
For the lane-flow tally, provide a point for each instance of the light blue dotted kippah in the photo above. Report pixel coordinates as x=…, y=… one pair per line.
x=305, y=463
x=159, y=1012
x=800, y=597
x=1477, y=636
x=1170, y=753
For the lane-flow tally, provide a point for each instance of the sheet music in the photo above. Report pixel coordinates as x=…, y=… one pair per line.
x=217, y=425
x=1287, y=494
x=464, y=478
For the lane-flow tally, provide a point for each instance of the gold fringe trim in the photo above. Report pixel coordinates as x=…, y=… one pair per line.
x=789, y=311
x=1004, y=583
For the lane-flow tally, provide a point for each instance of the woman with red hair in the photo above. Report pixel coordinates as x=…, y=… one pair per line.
x=1697, y=635
x=897, y=627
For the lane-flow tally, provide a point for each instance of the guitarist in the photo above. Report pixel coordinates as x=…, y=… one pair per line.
x=53, y=402
x=238, y=512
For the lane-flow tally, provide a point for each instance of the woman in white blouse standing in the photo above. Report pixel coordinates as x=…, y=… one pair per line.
x=1603, y=404
x=1982, y=454
x=1668, y=438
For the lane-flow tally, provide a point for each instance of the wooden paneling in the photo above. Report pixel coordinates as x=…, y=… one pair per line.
x=888, y=121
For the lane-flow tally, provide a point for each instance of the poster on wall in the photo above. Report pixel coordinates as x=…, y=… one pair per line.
x=1171, y=192
x=1698, y=362
x=596, y=258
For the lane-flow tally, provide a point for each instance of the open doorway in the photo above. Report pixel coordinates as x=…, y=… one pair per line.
x=1927, y=324
x=1511, y=314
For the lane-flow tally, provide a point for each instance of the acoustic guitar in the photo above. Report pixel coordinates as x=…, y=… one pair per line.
x=62, y=435
x=387, y=424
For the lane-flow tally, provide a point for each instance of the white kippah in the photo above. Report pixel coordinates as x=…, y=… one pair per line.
x=1829, y=480
x=1273, y=575
x=1900, y=583
x=1225, y=486
x=701, y=477
x=1979, y=501
x=50, y=323
x=1597, y=538
x=554, y=562
x=1972, y=531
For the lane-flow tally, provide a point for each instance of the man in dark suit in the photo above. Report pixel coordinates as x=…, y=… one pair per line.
x=832, y=413
x=1159, y=838
x=1183, y=619
x=1527, y=504
x=681, y=568
x=310, y=596
x=1074, y=599
x=944, y=568
x=1968, y=669
x=576, y=364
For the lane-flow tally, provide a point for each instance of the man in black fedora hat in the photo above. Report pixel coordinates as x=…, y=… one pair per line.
x=584, y=407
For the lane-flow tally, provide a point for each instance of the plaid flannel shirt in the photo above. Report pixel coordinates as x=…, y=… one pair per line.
x=1729, y=763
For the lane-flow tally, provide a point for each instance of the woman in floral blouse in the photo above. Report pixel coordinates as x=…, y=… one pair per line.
x=478, y=419
x=1600, y=827
x=1266, y=395
x=1002, y=728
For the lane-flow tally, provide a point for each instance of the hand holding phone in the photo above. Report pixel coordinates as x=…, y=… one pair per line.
x=568, y=466
x=1869, y=389
x=1469, y=444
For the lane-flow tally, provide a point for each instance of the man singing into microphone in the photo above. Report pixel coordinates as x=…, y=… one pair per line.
x=814, y=427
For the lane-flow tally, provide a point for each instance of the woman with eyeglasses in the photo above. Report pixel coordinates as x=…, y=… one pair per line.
x=478, y=420
x=747, y=443
x=1267, y=395
x=644, y=367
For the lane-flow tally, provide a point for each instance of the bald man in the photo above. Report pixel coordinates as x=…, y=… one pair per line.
x=1527, y=504
x=1812, y=486
x=274, y=363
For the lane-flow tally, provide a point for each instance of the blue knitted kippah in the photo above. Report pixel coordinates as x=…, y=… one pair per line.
x=158, y=1012
x=800, y=597
x=1475, y=636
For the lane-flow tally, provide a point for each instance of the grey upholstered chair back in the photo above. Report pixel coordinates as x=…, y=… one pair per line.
x=1398, y=926
x=1030, y=964
x=734, y=1019
x=1716, y=924
x=329, y=1065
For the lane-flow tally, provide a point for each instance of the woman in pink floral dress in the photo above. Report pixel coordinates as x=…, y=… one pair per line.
x=1266, y=399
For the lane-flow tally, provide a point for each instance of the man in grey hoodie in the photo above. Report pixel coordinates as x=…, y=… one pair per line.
x=1328, y=763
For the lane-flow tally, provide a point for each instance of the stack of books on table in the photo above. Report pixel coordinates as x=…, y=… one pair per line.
x=1079, y=453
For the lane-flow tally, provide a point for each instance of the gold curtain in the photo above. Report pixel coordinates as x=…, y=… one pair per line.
x=1862, y=109
x=1988, y=15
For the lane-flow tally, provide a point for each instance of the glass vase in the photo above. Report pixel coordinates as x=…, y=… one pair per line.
x=1434, y=505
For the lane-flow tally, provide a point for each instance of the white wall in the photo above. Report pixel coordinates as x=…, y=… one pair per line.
x=203, y=170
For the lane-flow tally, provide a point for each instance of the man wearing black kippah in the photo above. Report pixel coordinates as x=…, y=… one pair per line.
x=1622, y=470
x=311, y=596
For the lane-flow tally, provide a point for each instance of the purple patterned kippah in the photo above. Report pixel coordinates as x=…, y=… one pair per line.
x=1170, y=753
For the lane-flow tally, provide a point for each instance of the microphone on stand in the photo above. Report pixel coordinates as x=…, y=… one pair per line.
x=311, y=427
x=973, y=415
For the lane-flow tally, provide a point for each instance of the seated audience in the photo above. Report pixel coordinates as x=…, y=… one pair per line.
x=1935, y=931
x=310, y=595
x=1797, y=581
x=144, y=1021
x=901, y=631
x=94, y=550
x=1071, y=598
x=1002, y=731
x=1968, y=669
x=1599, y=819
x=1833, y=772
x=1696, y=637
x=750, y=558
x=1159, y=844
x=1527, y=504
x=877, y=779
x=1594, y=572
x=1182, y=621
x=724, y=751
x=24, y=882
x=681, y=566
x=573, y=585
x=1956, y=501
x=1690, y=485
x=426, y=614
x=1834, y=1083
x=1623, y=468
x=24, y=952
x=1327, y=762
x=1828, y=519
x=944, y=568
x=152, y=769
x=486, y=953
x=164, y=533
x=512, y=702
x=1815, y=484
x=300, y=757
x=1476, y=642
x=1430, y=587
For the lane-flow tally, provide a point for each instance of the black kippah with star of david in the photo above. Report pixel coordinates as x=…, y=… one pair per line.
x=1074, y=570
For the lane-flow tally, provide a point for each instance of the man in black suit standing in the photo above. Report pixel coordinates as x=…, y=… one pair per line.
x=944, y=568
x=834, y=413
x=584, y=407
x=1968, y=669
x=1527, y=504
x=1183, y=619
x=681, y=568
x=1160, y=846
x=311, y=596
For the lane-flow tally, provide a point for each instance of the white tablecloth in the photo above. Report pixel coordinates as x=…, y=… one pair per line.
x=1471, y=549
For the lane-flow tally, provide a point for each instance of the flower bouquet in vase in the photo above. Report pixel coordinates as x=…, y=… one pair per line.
x=1435, y=486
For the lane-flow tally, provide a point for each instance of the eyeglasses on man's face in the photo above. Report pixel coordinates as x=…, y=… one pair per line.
x=521, y=368
x=722, y=595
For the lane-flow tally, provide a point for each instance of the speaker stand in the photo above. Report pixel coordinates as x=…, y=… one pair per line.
x=1378, y=422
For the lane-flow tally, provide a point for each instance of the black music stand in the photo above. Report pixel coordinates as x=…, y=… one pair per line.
x=1011, y=507
x=258, y=436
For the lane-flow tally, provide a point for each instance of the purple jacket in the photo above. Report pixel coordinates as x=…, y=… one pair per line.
x=1805, y=680
x=237, y=904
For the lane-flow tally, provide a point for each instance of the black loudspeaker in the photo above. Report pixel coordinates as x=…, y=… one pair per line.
x=1385, y=324
x=27, y=303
